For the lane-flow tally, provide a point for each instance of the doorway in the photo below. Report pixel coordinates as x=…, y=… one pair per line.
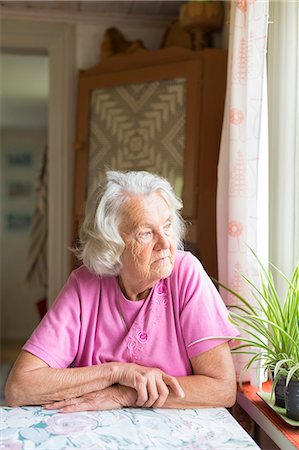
x=24, y=121
x=58, y=42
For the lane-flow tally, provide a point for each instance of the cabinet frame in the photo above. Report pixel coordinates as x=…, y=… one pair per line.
x=200, y=162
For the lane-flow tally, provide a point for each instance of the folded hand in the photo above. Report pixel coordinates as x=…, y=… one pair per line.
x=152, y=385
x=113, y=397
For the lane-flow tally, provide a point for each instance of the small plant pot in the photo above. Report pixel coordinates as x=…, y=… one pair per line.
x=292, y=399
x=280, y=392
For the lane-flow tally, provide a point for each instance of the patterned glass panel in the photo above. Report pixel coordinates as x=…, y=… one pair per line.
x=138, y=127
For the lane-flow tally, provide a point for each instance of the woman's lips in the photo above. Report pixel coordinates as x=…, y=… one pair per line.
x=161, y=259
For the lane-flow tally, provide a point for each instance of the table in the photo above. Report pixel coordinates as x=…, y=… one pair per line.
x=128, y=428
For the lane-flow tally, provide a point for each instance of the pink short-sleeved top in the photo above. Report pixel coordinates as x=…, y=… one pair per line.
x=88, y=322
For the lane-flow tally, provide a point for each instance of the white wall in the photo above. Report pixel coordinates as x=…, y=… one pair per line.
x=89, y=38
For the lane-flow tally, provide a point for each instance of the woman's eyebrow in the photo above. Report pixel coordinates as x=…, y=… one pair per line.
x=149, y=225
x=145, y=225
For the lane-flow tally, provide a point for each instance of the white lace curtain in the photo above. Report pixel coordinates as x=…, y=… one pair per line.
x=242, y=198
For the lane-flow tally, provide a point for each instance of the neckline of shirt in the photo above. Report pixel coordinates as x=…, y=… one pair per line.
x=136, y=303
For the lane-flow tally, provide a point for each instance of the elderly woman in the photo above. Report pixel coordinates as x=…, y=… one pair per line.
x=133, y=325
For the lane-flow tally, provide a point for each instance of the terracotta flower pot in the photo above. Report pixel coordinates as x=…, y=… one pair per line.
x=292, y=399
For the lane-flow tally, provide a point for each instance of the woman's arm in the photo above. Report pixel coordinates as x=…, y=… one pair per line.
x=33, y=382
x=213, y=384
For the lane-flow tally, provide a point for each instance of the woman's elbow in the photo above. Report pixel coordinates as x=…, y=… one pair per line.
x=13, y=393
x=230, y=394
x=10, y=397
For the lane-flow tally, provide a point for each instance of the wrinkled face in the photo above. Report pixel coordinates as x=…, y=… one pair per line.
x=147, y=230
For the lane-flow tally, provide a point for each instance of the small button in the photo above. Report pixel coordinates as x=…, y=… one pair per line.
x=142, y=337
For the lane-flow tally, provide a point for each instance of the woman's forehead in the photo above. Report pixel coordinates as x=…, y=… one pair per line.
x=144, y=210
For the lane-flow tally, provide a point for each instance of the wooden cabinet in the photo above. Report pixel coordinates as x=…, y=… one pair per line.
x=159, y=111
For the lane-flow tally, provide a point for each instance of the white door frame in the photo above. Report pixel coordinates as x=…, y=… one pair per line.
x=58, y=40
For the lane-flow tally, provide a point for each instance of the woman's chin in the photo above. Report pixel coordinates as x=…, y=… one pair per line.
x=162, y=268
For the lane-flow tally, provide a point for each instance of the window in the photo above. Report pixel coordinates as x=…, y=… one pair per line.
x=283, y=85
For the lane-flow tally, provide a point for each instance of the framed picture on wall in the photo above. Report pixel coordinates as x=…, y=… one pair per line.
x=19, y=189
x=19, y=159
x=18, y=221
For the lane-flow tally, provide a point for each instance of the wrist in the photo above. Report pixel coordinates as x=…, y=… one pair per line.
x=125, y=396
x=115, y=372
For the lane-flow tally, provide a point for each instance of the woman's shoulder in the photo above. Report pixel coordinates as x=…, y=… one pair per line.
x=88, y=284
x=186, y=259
x=187, y=266
x=83, y=275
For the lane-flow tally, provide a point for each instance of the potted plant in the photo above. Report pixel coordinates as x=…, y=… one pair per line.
x=288, y=370
x=272, y=327
x=288, y=367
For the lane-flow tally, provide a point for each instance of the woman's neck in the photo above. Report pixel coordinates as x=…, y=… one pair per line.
x=133, y=292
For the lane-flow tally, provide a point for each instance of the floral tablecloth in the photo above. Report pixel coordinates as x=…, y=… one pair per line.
x=31, y=428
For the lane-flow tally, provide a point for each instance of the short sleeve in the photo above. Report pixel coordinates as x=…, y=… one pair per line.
x=204, y=315
x=56, y=338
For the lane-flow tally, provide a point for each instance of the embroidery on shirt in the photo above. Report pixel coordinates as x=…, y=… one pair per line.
x=139, y=334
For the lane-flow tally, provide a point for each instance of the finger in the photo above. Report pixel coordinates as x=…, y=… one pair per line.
x=174, y=384
x=163, y=394
x=77, y=407
x=152, y=391
x=61, y=404
x=141, y=388
x=55, y=405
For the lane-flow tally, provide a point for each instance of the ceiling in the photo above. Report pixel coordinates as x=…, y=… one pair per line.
x=124, y=7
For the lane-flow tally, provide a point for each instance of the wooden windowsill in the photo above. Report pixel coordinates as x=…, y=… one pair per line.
x=285, y=436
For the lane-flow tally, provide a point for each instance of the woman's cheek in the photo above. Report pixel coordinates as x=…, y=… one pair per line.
x=136, y=249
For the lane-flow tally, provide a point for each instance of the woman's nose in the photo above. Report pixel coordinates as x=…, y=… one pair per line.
x=162, y=242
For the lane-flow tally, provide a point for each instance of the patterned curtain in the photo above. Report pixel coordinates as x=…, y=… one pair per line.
x=242, y=188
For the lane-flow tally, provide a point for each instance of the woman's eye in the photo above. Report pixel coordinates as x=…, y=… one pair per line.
x=146, y=233
x=168, y=227
x=145, y=236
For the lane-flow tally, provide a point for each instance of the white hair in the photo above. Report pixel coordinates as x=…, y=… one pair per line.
x=101, y=245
